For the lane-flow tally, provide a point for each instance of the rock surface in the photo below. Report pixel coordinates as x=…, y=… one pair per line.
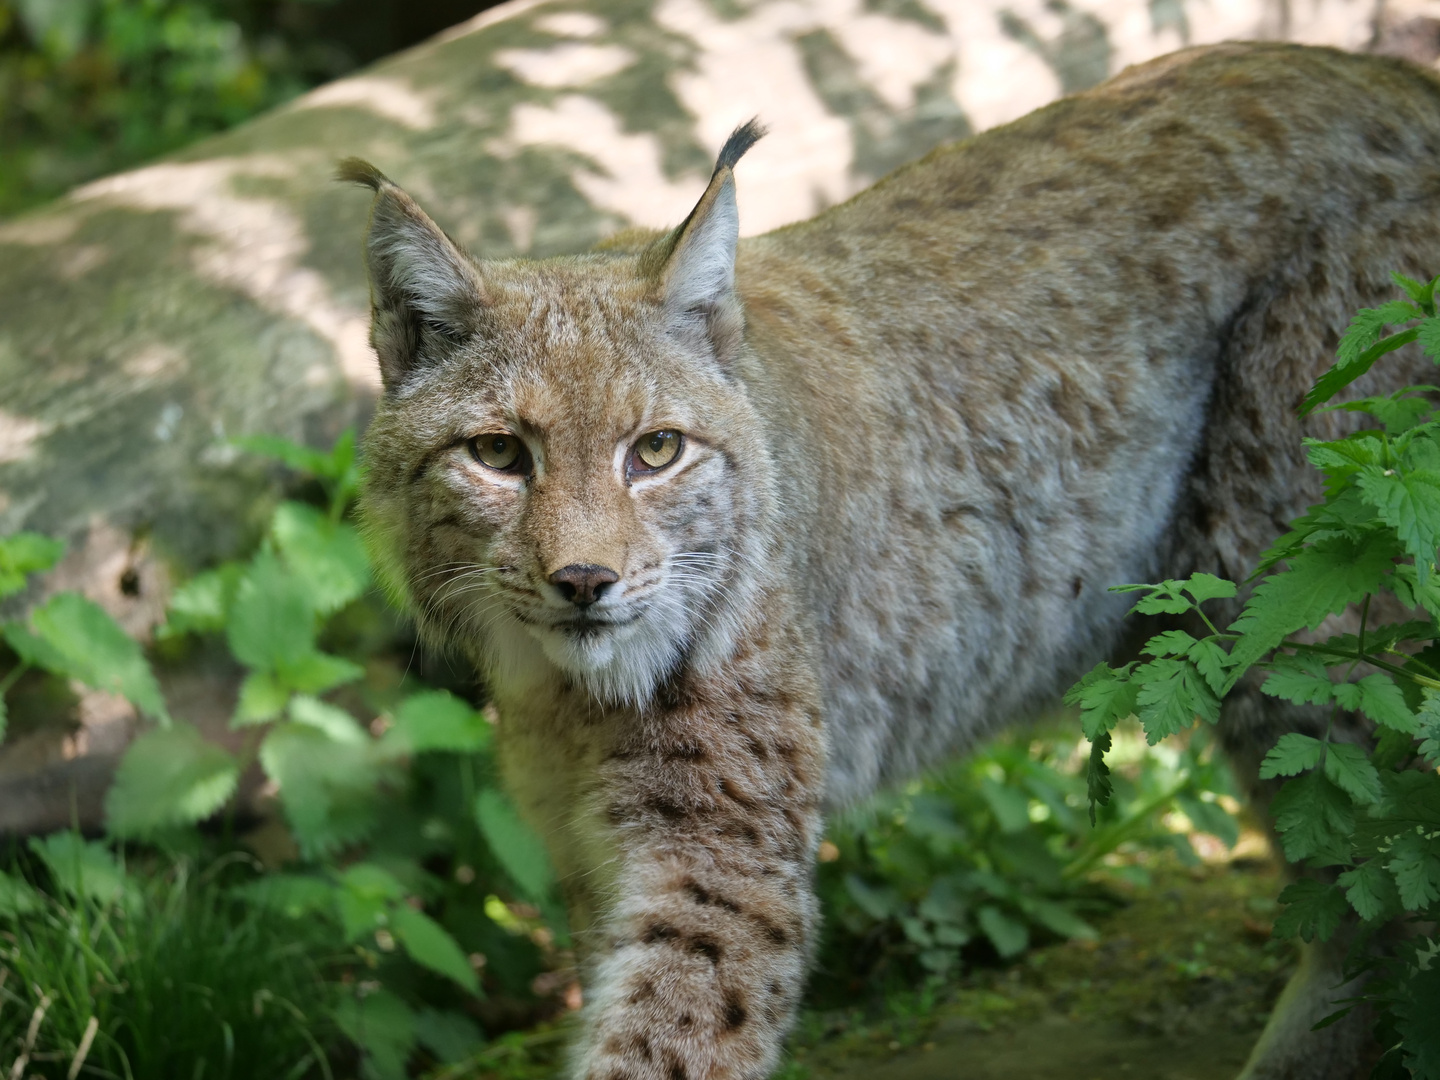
x=149, y=317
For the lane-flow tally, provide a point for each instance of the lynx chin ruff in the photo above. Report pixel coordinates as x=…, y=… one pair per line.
x=736, y=531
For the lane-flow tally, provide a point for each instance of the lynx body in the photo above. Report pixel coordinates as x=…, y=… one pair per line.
x=736, y=531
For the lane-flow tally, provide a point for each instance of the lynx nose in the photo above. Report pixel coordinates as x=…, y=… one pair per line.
x=583, y=583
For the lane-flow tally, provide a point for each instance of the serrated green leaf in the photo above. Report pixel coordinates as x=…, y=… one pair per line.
x=1293, y=754
x=22, y=554
x=1312, y=909
x=17, y=897
x=1415, y=1007
x=383, y=1027
x=1163, y=599
x=1172, y=694
x=83, y=642
x=1415, y=862
x=1348, y=768
x=1428, y=334
x=1009, y=936
x=316, y=672
x=1209, y=587
x=83, y=867
x=436, y=720
x=431, y=946
x=1345, y=371
x=202, y=604
x=1209, y=817
x=1427, y=728
x=1105, y=696
x=1398, y=412
x=168, y=776
x=330, y=790
x=1312, y=816
x=514, y=844
x=33, y=651
x=1170, y=643
x=1380, y=699
x=1212, y=662
x=327, y=557
x=1371, y=891
x=1365, y=328
x=1409, y=504
x=271, y=620
x=1343, y=457
x=334, y=721
x=1302, y=679
x=1419, y=292
x=1321, y=580
x=295, y=896
x=300, y=458
x=452, y=1036
x=262, y=698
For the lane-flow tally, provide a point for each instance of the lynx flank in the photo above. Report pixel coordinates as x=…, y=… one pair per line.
x=736, y=531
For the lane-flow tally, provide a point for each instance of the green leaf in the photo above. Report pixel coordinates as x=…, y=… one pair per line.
x=168, y=776
x=1312, y=909
x=436, y=720
x=1098, y=786
x=1293, y=754
x=1428, y=728
x=1212, y=662
x=1421, y=293
x=330, y=790
x=384, y=1028
x=1209, y=587
x=1415, y=862
x=1172, y=694
x=300, y=458
x=368, y=893
x=1380, y=699
x=1398, y=412
x=1348, y=768
x=326, y=557
x=316, y=672
x=430, y=945
x=1321, y=580
x=1409, y=504
x=1371, y=891
x=1170, y=643
x=880, y=902
x=271, y=620
x=1352, y=365
x=452, y=1036
x=1429, y=337
x=202, y=604
x=334, y=721
x=1164, y=599
x=4, y=717
x=1105, y=696
x=1416, y=1005
x=1303, y=679
x=295, y=896
x=515, y=845
x=83, y=642
x=262, y=698
x=17, y=897
x=33, y=651
x=82, y=867
x=1009, y=937
x=22, y=554
x=1010, y=806
x=1059, y=919
x=1312, y=816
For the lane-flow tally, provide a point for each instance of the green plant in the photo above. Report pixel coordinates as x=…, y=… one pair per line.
x=1373, y=813
x=110, y=972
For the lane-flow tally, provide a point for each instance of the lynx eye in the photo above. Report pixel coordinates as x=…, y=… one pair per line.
x=499, y=451
x=656, y=450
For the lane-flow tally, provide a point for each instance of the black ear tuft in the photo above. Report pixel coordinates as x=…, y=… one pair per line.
x=354, y=170
x=741, y=139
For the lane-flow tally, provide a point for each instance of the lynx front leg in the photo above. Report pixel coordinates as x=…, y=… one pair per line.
x=702, y=943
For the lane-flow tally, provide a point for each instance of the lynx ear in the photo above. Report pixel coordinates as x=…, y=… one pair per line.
x=424, y=291
x=696, y=262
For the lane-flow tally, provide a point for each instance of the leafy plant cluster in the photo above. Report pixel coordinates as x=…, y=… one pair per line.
x=404, y=842
x=1362, y=813
x=996, y=851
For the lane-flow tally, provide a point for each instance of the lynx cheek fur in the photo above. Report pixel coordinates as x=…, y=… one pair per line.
x=735, y=531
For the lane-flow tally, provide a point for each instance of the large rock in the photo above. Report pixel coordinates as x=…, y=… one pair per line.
x=148, y=317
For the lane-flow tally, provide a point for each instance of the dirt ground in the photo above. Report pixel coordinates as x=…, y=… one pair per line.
x=1177, y=987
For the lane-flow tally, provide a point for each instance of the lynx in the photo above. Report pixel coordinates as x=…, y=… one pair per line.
x=736, y=531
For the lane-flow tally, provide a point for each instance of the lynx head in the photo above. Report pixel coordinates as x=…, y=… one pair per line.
x=563, y=470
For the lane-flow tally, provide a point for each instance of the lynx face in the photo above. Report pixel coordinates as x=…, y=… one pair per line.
x=570, y=474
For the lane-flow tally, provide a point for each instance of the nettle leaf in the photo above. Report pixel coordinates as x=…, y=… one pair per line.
x=326, y=556
x=383, y=1026
x=430, y=945
x=1415, y=1007
x=271, y=620
x=1209, y=587
x=1415, y=862
x=300, y=458
x=1345, y=457
x=1170, y=643
x=1321, y=580
x=168, y=776
x=1009, y=936
x=1312, y=816
x=330, y=790
x=295, y=896
x=1412, y=593
x=1397, y=412
x=1212, y=662
x=83, y=867
x=1098, y=786
x=83, y=642
x=1427, y=725
x=1352, y=366
x=436, y=720
x=1380, y=699
x=514, y=844
x=1312, y=909
x=1429, y=337
x=880, y=902
x=1420, y=292
x=1106, y=696
x=334, y=721
x=1293, y=754
x=22, y=554
x=316, y=672
x=202, y=604
x=1349, y=768
x=1303, y=679
x=1364, y=330
x=1409, y=504
x=262, y=697
x=1371, y=891
x=17, y=897
x=1172, y=694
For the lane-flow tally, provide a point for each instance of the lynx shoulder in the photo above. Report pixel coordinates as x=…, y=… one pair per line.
x=736, y=530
